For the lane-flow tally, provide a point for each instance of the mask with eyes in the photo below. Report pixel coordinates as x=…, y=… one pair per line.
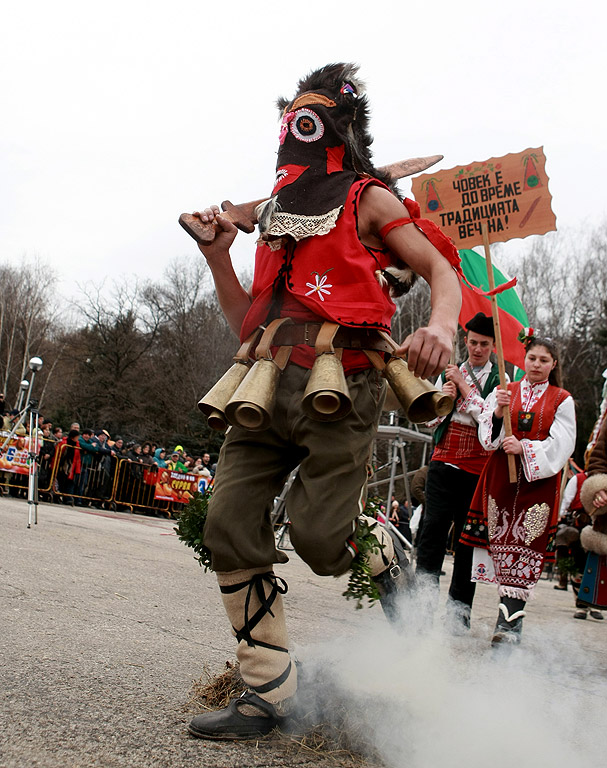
x=324, y=147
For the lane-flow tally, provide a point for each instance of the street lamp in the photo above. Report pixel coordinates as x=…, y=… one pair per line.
x=22, y=389
x=31, y=408
x=35, y=365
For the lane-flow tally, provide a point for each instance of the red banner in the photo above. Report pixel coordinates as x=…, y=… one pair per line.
x=177, y=486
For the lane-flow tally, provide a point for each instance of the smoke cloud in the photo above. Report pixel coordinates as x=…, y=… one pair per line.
x=425, y=698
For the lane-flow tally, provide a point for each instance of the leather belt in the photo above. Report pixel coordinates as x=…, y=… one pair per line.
x=345, y=338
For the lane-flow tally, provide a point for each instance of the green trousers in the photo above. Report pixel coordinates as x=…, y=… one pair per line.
x=327, y=495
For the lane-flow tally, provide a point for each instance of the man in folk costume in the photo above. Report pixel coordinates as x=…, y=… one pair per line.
x=328, y=236
x=516, y=521
x=457, y=461
x=592, y=594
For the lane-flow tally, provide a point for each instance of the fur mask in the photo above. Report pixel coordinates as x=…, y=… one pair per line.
x=324, y=147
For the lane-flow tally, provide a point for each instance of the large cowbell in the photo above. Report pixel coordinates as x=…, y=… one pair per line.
x=213, y=404
x=326, y=397
x=420, y=399
x=252, y=405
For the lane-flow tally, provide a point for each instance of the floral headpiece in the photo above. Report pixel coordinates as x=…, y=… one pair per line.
x=526, y=335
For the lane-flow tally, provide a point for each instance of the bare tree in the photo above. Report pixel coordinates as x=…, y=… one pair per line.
x=194, y=345
x=27, y=313
x=102, y=364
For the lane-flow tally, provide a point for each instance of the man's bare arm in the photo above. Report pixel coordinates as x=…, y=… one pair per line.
x=427, y=349
x=233, y=299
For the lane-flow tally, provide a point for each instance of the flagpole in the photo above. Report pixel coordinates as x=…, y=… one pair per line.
x=452, y=356
x=498, y=344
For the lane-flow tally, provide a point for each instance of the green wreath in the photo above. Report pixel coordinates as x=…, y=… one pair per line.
x=190, y=527
x=360, y=583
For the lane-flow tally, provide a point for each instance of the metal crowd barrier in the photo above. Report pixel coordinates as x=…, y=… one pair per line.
x=104, y=481
x=134, y=486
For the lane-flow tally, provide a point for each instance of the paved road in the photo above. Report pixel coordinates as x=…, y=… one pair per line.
x=107, y=620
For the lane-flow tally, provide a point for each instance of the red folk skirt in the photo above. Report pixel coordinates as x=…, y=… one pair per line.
x=516, y=522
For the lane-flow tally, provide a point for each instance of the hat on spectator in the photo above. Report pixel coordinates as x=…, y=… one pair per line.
x=103, y=432
x=178, y=448
x=15, y=412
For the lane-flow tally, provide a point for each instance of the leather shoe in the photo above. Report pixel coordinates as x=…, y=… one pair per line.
x=230, y=723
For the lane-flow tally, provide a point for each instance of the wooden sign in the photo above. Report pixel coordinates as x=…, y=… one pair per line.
x=510, y=193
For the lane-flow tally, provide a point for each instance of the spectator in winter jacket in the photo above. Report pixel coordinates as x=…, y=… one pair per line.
x=176, y=464
x=159, y=457
x=88, y=450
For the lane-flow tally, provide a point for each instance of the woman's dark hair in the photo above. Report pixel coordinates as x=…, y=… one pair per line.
x=555, y=377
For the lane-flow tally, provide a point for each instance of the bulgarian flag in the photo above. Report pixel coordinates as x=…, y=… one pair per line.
x=471, y=268
x=511, y=311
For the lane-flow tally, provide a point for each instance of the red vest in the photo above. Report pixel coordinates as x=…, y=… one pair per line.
x=332, y=275
x=544, y=411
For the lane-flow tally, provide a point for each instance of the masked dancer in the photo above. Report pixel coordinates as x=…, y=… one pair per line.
x=333, y=237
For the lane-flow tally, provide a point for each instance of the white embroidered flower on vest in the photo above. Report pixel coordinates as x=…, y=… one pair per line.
x=320, y=285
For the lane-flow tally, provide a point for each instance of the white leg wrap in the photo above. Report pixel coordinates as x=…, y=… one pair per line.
x=253, y=602
x=378, y=561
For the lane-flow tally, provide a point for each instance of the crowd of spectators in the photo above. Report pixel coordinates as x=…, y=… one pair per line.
x=79, y=464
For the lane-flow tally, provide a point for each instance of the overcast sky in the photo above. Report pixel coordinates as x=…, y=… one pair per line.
x=119, y=116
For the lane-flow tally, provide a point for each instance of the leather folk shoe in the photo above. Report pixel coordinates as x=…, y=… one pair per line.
x=247, y=717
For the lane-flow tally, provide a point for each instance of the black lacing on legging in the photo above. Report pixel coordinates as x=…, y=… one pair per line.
x=256, y=584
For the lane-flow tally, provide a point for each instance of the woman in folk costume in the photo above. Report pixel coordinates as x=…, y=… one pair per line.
x=516, y=521
x=592, y=594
